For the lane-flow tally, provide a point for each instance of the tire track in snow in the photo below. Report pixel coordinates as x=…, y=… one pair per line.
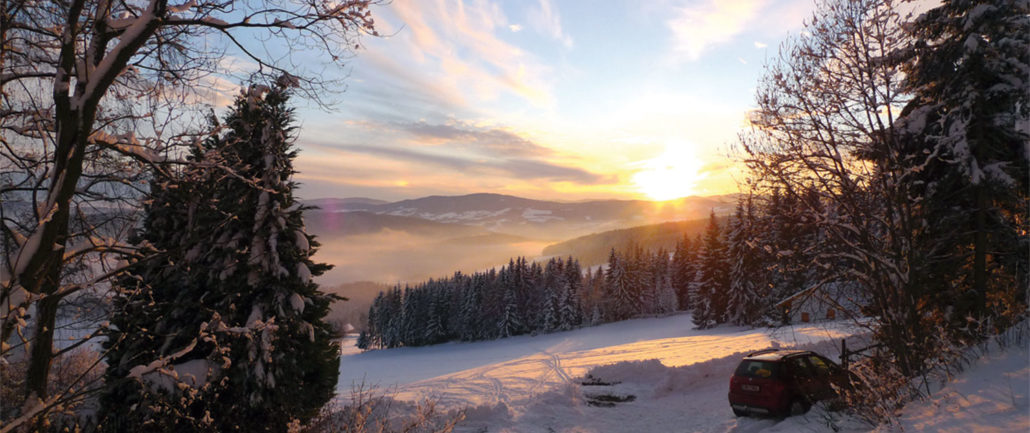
x=518, y=381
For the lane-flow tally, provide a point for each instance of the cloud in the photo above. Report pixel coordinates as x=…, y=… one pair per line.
x=464, y=134
x=515, y=28
x=760, y=44
x=714, y=167
x=699, y=26
x=545, y=19
x=447, y=56
x=520, y=168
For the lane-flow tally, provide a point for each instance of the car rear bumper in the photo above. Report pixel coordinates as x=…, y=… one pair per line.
x=755, y=404
x=751, y=409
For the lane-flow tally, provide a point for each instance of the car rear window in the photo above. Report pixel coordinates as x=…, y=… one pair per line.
x=758, y=369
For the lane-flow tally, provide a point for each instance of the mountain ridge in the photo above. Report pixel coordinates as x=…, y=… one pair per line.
x=540, y=219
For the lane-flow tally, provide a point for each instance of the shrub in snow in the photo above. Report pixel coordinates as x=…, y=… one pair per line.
x=220, y=326
x=371, y=411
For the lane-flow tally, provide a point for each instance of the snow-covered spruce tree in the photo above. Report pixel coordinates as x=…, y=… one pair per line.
x=787, y=238
x=509, y=324
x=571, y=302
x=470, y=310
x=637, y=269
x=594, y=307
x=825, y=133
x=683, y=271
x=665, y=296
x=412, y=317
x=552, y=294
x=971, y=114
x=436, y=327
x=620, y=300
x=363, y=341
x=156, y=315
x=713, y=278
x=747, y=297
x=237, y=273
x=94, y=94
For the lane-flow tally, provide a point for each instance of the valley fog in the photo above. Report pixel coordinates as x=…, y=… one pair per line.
x=392, y=256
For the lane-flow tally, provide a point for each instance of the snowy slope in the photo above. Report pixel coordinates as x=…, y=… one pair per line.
x=991, y=396
x=530, y=384
x=677, y=376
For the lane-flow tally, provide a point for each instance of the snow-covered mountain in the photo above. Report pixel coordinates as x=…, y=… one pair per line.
x=534, y=218
x=430, y=237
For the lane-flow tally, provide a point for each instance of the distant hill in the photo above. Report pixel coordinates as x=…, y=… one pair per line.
x=594, y=249
x=333, y=224
x=431, y=237
x=536, y=219
x=350, y=203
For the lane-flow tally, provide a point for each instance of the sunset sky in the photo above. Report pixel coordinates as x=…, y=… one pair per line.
x=559, y=100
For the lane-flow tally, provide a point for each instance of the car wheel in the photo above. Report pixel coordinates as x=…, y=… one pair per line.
x=798, y=407
x=739, y=412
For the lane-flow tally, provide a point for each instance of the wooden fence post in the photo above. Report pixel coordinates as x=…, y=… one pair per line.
x=844, y=353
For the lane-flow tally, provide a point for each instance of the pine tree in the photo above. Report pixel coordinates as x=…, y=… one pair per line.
x=570, y=310
x=682, y=272
x=234, y=307
x=745, y=300
x=552, y=296
x=375, y=333
x=639, y=277
x=620, y=299
x=711, y=298
x=363, y=341
x=469, y=313
x=666, y=300
x=434, y=332
x=598, y=298
x=968, y=159
x=510, y=323
x=393, y=333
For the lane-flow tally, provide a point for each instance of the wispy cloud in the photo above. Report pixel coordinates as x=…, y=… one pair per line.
x=544, y=18
x=699, y=26
x=496, y=141
x=451, y=52
x=469, y=165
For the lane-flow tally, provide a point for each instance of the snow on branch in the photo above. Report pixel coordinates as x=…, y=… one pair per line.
x=127, y=144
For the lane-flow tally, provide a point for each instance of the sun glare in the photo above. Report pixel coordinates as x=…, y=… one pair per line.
x=673, y=174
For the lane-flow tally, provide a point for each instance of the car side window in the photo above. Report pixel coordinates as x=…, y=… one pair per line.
x=800, y=368
x=821, y=368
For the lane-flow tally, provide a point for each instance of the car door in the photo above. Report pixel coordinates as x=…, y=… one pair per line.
x=822, y=377
x=803, y=377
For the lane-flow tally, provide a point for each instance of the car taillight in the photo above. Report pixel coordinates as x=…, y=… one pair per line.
x=776, y=387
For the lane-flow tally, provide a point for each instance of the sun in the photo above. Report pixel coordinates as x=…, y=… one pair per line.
x=671, y=175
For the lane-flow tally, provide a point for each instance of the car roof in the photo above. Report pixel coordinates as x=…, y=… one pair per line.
x=774, y=354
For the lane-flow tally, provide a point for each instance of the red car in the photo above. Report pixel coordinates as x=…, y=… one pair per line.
x=783, y=382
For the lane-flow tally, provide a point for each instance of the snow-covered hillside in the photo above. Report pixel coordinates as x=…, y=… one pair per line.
x=534, y=218
x=991, y=396
x=677, y=375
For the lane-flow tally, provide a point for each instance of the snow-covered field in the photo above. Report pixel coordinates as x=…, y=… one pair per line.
x=530, y=383
x=677, y=376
